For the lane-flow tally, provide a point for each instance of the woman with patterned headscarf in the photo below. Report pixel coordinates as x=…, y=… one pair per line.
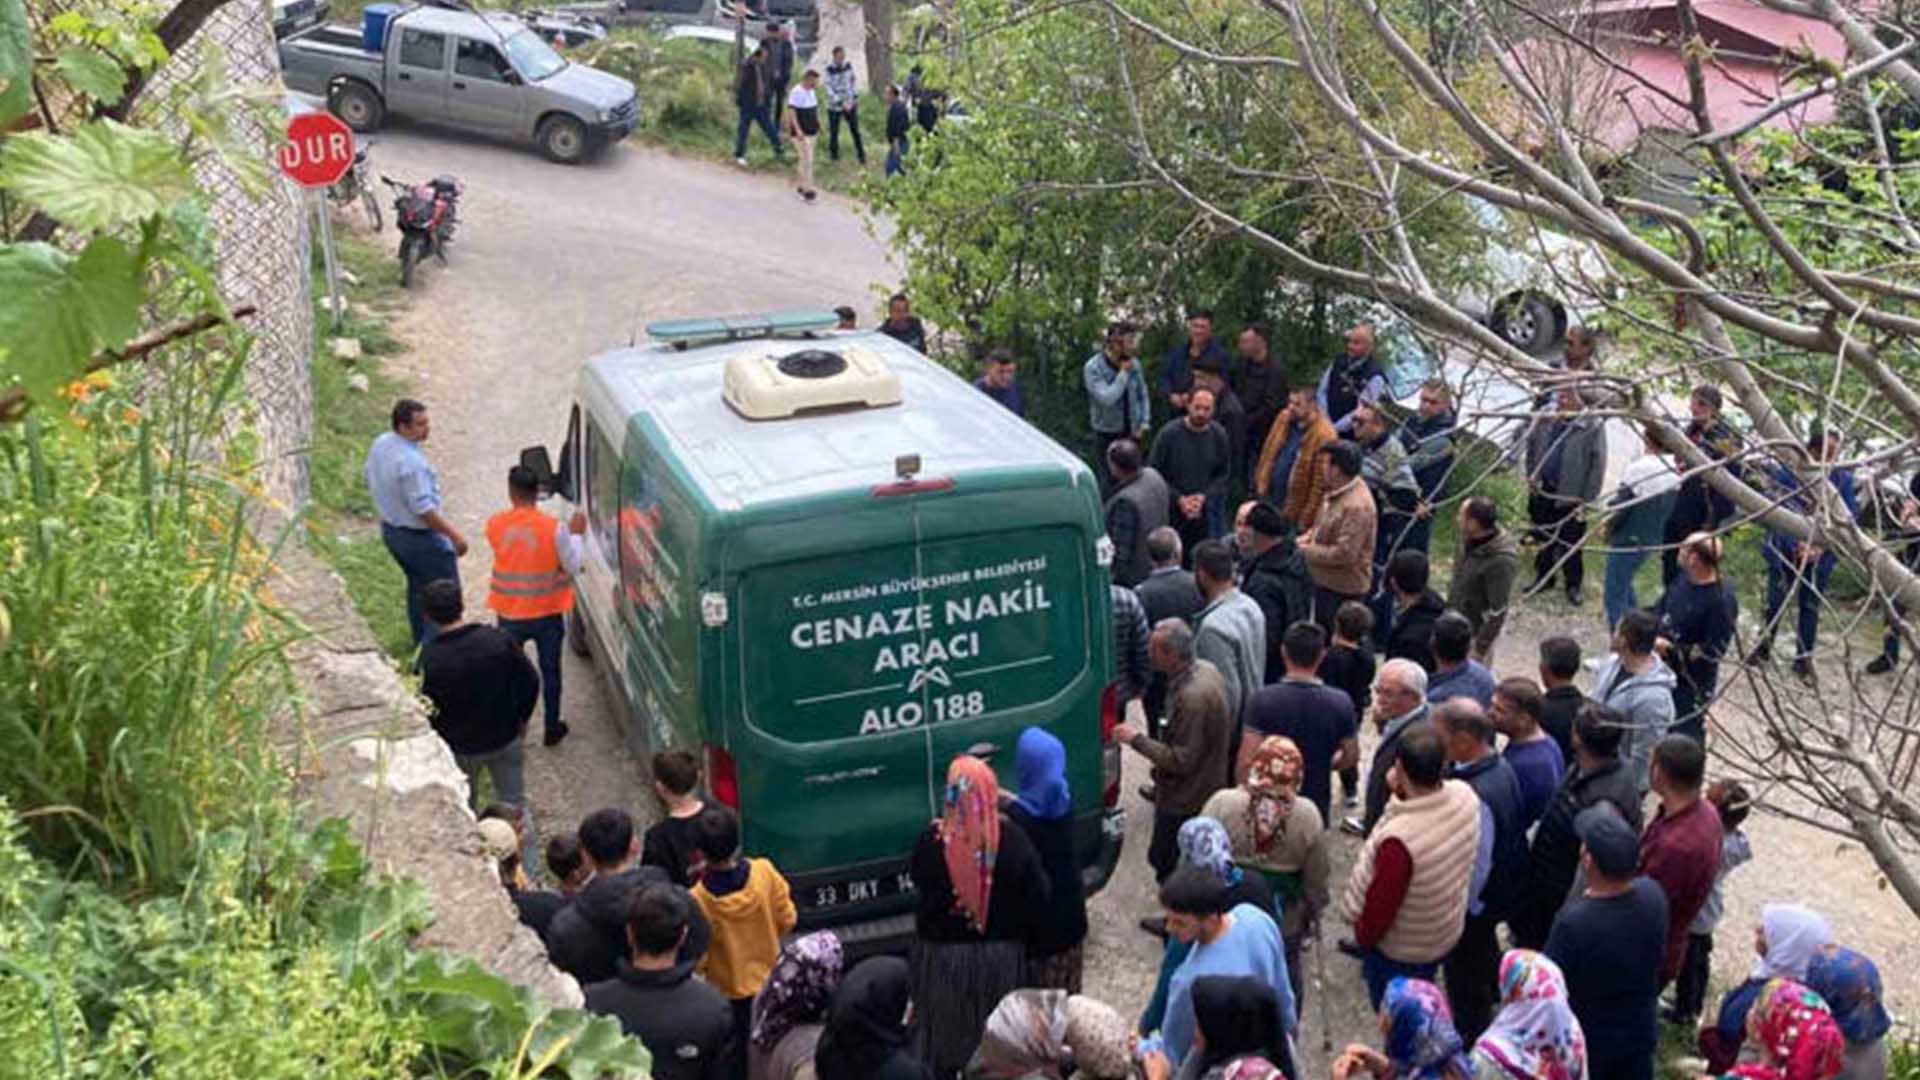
x=981, y=894
x=1535, y=1035
x=790, y=1011
x=1421, y=1042
x=1279, y=835
x=1850, y=985
x=1795, y=1034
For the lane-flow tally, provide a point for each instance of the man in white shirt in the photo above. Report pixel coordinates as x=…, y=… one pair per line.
x=803, y=127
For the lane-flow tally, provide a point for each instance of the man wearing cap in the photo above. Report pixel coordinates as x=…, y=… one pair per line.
x=1275, y=576
x=1609, y=942
x=1339, y=550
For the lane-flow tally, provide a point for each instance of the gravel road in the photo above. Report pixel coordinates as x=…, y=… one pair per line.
x=555, y=264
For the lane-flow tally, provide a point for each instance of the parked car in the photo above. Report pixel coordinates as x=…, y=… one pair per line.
x=725, y=14
x=828, y=565
x=565, y=29
x=293, y=16
x=1536, y=282
x=484, y=72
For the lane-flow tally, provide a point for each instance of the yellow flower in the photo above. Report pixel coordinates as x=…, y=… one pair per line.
x=100, y=380
x=129, y=414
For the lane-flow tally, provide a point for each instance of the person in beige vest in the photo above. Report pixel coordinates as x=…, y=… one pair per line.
x=1407, y=895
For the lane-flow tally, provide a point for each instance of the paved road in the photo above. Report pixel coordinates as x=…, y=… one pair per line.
x=554, y=264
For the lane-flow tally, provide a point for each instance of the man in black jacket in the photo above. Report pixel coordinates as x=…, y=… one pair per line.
x=1598, y=775
x=588, y=937
x=1415, y=609
x=779, y=60
x=750, y=97
x=685, y=1024
x=1275, y=576
x=899, y=122
x=1562, y=702
x=1698, y=507
x=1261, y=383
x=482, y=688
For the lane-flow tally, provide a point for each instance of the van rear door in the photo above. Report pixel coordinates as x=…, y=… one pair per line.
x=864, y=668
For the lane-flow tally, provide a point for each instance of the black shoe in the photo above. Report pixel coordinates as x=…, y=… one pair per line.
x=1155, y=925
x=555, y=734
x=1880, y=665
x=1147, y=792
x=1573, y=595
x=1803, y=668
x=1671, y=1015
x=1762, y=654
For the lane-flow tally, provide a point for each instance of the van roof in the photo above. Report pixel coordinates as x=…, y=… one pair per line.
x=738, y=462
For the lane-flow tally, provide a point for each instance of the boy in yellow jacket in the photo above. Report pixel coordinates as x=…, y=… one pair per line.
x=749, y=906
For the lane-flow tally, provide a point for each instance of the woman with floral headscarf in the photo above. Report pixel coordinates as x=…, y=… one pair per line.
x=1784, y=943
x=1795, y=1034
x=981, y=892
x=1850, y=985
x=791, y=1009
x=1421, y=1043
x=1534, y=1036
x=1279, y=835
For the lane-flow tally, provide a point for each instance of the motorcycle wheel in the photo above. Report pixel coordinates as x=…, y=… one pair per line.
x=409, y=255
x=372, y=206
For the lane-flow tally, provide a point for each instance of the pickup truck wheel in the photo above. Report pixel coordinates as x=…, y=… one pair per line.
x=360, y=107
x=563, y=139
x=1530, y=322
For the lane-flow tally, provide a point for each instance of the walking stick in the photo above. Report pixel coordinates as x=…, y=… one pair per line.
x=1320, y=986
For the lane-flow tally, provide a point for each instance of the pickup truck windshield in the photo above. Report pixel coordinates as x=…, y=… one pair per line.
x=533, y=58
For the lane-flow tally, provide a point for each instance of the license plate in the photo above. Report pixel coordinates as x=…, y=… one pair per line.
x=860, y=890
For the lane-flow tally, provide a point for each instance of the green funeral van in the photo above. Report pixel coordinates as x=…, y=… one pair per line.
x=828, y=565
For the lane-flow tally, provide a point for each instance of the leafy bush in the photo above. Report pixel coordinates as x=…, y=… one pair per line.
x=686, y=86
x=144, y=666
x=280, y=960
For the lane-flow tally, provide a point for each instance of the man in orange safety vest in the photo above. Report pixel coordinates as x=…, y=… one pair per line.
x=535, y=558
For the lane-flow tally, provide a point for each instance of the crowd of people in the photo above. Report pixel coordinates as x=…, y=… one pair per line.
x=1516, y=907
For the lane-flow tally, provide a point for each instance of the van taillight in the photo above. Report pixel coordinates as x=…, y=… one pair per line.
x=1109, y=753
x=723, y=779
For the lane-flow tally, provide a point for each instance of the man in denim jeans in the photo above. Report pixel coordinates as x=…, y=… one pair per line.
x=535, y=559
x=406, y=494
x=482, y=688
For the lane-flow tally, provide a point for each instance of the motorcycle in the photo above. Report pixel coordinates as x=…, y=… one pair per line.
x=355, y=186
x=426, y=215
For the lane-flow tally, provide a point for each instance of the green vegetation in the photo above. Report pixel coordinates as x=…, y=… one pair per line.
x=341, y=525
x=162, y=914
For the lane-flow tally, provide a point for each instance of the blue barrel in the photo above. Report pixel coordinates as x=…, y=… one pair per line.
x=373, y=26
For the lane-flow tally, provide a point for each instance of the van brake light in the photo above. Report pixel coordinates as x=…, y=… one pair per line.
x=1109, y=752
x=912, y=487
x=723, y=779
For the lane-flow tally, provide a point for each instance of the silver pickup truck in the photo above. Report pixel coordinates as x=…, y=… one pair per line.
x=484, y=72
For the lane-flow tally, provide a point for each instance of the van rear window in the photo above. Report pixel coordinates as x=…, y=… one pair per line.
x=890, y=640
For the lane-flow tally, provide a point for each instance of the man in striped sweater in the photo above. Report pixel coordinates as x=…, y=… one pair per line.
x=1407, y=895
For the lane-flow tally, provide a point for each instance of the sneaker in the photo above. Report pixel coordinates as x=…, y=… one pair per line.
x=1803, y=669
x=1155, y=925
x=1762, y=654
x=1352, y=801
x=1671, y=1015
x=1880, y=665
x=809, y=194
x=1353, y=826
x=1147, y=792
x=555, y=734
x=740, y=161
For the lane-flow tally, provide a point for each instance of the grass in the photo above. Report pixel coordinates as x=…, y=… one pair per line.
x=341, y=525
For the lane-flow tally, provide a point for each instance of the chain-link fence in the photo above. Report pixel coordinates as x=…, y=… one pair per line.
x=261, y=236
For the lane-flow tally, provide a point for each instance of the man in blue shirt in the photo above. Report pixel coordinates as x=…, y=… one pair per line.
x=1799, y=569
x=406, y=495
x=1116, y=393
x=999, y=383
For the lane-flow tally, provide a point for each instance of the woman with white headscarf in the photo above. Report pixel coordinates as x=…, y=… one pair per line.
x=1785, y=943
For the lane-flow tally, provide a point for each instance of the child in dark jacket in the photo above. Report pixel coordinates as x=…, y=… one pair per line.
x=1348, y=666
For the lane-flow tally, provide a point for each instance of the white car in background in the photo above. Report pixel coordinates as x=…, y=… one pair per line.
x=1535, y=283
x=293, y=16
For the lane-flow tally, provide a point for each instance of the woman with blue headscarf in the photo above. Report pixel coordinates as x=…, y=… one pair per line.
x=1044, y=808
x=1850, y=984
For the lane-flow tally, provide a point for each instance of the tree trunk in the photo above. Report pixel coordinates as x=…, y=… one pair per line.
x=878, y=15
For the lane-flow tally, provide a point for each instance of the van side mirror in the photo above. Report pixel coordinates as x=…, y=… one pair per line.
x=537, y=459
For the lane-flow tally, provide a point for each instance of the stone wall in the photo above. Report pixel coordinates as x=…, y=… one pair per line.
x=364, y=751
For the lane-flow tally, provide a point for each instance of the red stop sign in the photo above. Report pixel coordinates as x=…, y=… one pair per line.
x=318, y=151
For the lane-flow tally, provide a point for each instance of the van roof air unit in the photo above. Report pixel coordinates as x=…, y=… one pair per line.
x=768, y=386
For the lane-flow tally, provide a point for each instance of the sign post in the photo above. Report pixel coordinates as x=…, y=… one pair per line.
x=317, y=153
